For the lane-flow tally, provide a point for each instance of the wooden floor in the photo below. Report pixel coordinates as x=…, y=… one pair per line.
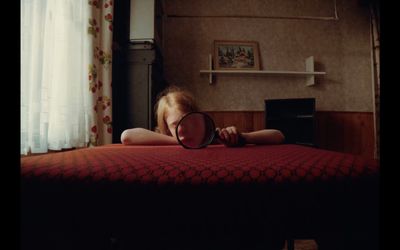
x=304, y=245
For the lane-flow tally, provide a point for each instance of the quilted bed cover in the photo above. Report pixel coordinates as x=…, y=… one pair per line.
x=213, y=165
x=114, y=191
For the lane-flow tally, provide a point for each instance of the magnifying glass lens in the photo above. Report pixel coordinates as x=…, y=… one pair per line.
x=195, y=130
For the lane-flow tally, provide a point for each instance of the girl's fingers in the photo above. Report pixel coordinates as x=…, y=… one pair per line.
x=234, y=135
x=229, y=136
x=232, y=139
x=221, y=135
x=226, y=136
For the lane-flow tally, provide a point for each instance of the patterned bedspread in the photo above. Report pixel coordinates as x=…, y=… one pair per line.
x=215, y=164
x=168, y=197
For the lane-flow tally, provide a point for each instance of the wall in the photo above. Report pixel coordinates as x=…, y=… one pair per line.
x=288, y=31
x=340, y=47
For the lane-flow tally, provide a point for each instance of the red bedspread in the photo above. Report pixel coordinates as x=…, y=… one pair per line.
x=215, y=164
x=168, y=197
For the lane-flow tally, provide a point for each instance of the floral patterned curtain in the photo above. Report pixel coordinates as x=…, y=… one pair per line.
x=100, y=71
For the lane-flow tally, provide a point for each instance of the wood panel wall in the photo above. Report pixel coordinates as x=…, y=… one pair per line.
x=348, y=132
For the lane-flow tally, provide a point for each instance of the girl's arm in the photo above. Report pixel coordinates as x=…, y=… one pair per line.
x=265, y=136
x=141, y=136
x=231, y=137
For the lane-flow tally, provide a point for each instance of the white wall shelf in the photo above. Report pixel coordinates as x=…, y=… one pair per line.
x=309, y=73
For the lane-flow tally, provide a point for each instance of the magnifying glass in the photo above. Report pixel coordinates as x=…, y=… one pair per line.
x=197, y=130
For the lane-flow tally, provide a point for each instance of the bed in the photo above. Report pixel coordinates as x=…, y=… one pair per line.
x=168, y=197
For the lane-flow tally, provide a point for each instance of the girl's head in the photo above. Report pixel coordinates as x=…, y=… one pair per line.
x=172, y=104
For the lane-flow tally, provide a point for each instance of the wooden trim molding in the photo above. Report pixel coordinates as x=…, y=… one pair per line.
x=348, y=132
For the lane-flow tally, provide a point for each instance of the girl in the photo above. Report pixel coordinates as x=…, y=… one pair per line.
x=173, y=103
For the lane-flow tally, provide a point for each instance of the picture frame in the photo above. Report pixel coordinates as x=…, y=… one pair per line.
x=236, y=55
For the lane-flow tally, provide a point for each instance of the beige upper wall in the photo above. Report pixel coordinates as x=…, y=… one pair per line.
x=340, y=47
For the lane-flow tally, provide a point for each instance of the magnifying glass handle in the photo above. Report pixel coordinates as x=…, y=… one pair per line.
x=241, y=141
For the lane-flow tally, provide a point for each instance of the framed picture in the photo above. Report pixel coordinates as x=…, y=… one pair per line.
x=236, y=55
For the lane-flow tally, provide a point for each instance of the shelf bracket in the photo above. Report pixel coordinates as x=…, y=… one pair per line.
x=310, y=68
x=210, y=68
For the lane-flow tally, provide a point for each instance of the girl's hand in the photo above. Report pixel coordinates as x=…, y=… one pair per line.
x=230, y=136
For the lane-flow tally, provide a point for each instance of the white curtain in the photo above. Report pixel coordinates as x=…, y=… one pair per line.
x=55, y=54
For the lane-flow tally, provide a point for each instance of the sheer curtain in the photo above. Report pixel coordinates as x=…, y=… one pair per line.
x=58, y=54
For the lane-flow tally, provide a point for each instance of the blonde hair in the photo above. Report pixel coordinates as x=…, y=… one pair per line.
x=172, y=97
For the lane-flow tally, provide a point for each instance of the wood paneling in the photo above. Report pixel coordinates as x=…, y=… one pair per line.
x=244, y=120
x=258, y=120
x=348, y=132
